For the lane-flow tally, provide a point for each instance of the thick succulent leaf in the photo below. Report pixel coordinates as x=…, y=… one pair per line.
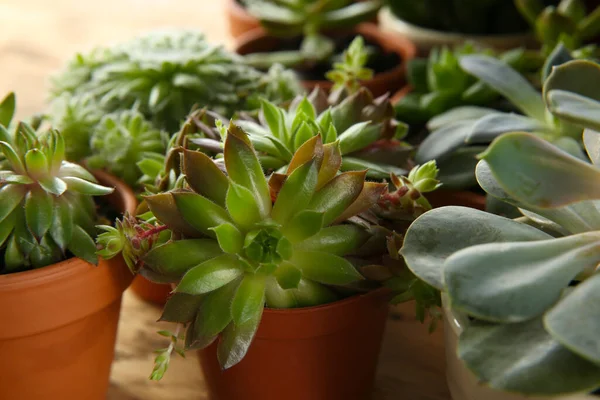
x=441, y=143
x=71, y=169
x=86, y=187
x=359, y=136
x=249, y=299
x=591, y=139
x=177, y=257
x=332, y=160
x=441, y=232
x=574, y=108
x=466, y=113
x=490, y=127
x=307, y=294
x=524, y=358
x=36, y=163
x=304, y=133
x=494, y=281
x=6, y=227
x=236, y=340
x=351, y=15
x=325, y=267
x=10, y=198
x=229, y=237
x=305, y=224
x=20, y=179
x=296, y=193
x=274, y=117
x=53, y=185
x=200, y=212
x=204, y=177
x=506, y=81
x=7, y=109
x=210, y=275
x=214, y=316
x=244, y=168
x=375, y=171
x=311, y=149
x=560, y=55
x=536, y=167
x=458, y=170
x=13, y=257
x=82, y=245
x=242, y=206
x=575, y=320
x=333, y=199
x=339, y=240
x=14, y=160
x=288, y=276
x=181, y=308
x=578, y=77
x=39, y=210
x=367, y=198
x=165, y=210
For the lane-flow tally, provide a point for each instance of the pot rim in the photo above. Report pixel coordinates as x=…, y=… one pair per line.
x=240, y=12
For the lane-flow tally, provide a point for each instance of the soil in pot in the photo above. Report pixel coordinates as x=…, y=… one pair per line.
x=59, y=324
x=318, y=353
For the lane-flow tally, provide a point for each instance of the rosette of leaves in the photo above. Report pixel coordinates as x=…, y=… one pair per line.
x=461, y=133
x=439, y=83
x=164, y=74
x=347, y=74
x=120, y=141
x=241, y=242
x=307, y=19
x=47, y=208
x=368, y=135
x=569, y=22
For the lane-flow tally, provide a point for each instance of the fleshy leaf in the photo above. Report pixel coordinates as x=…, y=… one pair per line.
x=236, y=340
x=367, y=198
x=305, y=224
x=339, y=240
x=181, y=308
x=204, y=177
x=7, y=109
x=335, y=197
x=229, y=237
x=39, y=209
x=332, y=160
x=83, y=246
x=200, y=212
x=210, y=275
x=311, y=149
x=10, y=197
x=177, y=257
x=338, y=272
x=85, y=187
x=288, y=276
x=574, y=108
x=249, y=299
x=165, y=210
x=296, y=193
x=242, y=206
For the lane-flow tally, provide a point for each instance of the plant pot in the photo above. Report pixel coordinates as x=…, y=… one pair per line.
x=318, y=353
x=240, y=21
x=385, y=82
x=462, y=383
x=447, y=197
x=155, y=293
x=59, y=324
x=425, y=39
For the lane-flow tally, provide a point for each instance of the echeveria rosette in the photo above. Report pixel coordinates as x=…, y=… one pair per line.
x=347, y=74
x=530, y=285
x=120, y=141
x=458, y=135
x=241, y=243
x=369, y=137
x=47, y=208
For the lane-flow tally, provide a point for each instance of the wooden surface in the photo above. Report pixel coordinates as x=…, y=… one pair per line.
x=36, y=38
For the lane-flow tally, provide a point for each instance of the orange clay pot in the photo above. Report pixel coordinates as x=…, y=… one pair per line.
x=386, y=82
x=328, y=352
x=59, y=324
x=155, y=293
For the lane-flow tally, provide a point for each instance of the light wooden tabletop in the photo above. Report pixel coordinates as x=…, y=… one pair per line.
x=36, y=38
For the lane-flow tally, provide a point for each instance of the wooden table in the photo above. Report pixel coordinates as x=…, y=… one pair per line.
x=36, y=38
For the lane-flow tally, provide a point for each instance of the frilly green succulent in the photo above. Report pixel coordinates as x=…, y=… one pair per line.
x=529, y=286
x=47, y=208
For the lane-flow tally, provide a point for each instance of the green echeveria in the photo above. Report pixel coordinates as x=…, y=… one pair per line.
x=47, y=208
x=240, y=242
x=530, y=285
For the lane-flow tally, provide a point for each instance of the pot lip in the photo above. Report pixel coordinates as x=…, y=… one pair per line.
x=234, y=7
x=379, y=292
x=395, y=23
x=70, y=267
x=400, y=45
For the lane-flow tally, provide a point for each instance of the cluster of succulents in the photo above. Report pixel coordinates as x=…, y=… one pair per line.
x=528, y=285
x=47, y=209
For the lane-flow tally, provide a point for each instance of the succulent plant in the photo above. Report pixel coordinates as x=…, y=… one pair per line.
x=347, y=74
x=568, y=22
x=461, y=133
x=307, y=19
x=530, y=285
x=438, y=83
x=47, y=208
x=489, y=17
x=164, y=74
x=240, y=242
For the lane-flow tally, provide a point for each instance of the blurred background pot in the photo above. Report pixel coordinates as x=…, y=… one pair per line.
x=155, y=293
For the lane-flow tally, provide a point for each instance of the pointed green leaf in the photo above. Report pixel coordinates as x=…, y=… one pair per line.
x=465, y=113
x=10, y=198
x=7, y=109
x=325, y=268
x=53, y=185
x=229, y=237
x=307, y=294
x=200, y=212
x=6, y=227
x=296, y=193
x=12, y=157
x=304, y=225
x=359, y=136
x=288, y=276
x=39, y=210
x=249, y=299
x=490, y=127
x=163, y=207
x=181, y=308
x=235, y=341
x=20, y=179
x=574, y=108
x=86, y=187
x=210, y=275
x=591, y=139
x=274, y=118
x=337, y=195
x=177, y=257
x=339, y=240
x=303, y=134
x=204, y=177
x=242, y=206
x=37, y=163
x=13, y=257
x=83, y=246
x=441, y=143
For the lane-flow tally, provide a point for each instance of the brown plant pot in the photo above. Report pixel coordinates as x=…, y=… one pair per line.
x=318, y=353
x=390, y=81
x=155, y=293
x=59, y=324
x=240, y=21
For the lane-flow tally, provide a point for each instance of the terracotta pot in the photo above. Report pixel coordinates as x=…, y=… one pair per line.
x=425, y=39
x=151, y=292
x=318, y=353
x=462, y=383
x=446, y=197
x=240, y=21
x=386, y=82
x=59, y=324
